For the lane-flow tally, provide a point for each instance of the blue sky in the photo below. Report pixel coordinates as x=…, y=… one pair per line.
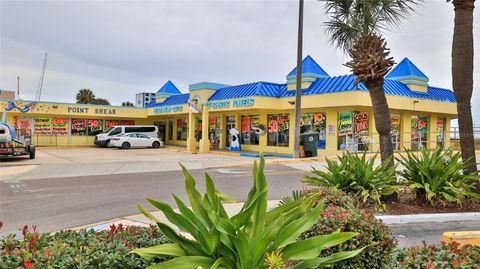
x=119, y=48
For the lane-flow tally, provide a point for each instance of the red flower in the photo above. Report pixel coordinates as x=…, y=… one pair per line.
x=25, y=230
x=32, y=241
x=28, y=265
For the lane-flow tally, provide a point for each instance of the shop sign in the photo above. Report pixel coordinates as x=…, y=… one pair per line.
x=60, y=126
x=219, y=105
x=23, y=125
x=112, y=123
x=85, y=110
x=243, y=102
x=395, y=122
x=345, y=123
x=361, y=122
x=245, y=124
x=167, y=109
x=42, y=126
x=422, y=124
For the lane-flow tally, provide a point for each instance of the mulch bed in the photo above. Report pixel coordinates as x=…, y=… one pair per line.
x=415, y=207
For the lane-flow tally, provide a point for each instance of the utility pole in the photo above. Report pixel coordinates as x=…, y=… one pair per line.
x=298, y=92
x=18, y=88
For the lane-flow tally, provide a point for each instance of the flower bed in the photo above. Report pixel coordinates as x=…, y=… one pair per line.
x=82, y=249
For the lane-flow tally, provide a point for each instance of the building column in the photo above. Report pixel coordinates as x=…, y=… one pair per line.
x=332, y=134
x=406, y=130
x=447, y=127
x=262, y=143
x=291, y=131
x=432, y=131
x=191, y=143
x=174, y=130
x=205, y=142
x=372, y=133
x=223, y=132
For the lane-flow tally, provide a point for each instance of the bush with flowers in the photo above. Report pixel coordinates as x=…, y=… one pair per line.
x=446, y=256
x=79, y=249
x=341, y=214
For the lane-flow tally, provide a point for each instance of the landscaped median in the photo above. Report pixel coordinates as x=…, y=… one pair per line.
x=313, y=228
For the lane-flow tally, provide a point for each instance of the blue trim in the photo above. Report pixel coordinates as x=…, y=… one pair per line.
x=401, y=78
x=409, y=82
x=71, y=104
x=313, y=75
x=206, y=85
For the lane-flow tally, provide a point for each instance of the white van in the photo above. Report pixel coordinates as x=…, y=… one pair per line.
x=103, y=139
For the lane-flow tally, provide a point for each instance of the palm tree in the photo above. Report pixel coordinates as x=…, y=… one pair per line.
x=127, y=103
x=85, y=96
x=356, y=27
x=100, y=101
x=462, y=74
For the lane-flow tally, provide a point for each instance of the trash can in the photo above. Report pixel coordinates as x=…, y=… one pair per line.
x=309, y=142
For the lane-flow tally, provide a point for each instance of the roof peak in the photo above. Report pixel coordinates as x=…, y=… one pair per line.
x=169, y=88
x=406, y=69
x=309, y=68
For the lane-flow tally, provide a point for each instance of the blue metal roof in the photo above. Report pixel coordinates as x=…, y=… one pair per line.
x=406, y=69
x=309, y=66
x=178, y=99
x=245, y=90
x=169, y=88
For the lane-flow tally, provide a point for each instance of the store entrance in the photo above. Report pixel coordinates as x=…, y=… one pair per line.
x=162, y=129
x=230, y=120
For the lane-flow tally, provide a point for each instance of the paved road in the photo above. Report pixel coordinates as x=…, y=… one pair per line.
x=61, y=203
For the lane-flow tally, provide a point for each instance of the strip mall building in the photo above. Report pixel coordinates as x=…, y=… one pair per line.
x=263, y=113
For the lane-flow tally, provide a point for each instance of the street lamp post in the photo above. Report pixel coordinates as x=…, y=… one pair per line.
x=298, y=93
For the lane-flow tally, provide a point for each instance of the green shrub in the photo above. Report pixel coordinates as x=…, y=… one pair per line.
x=433, y=257
x=82, y=249
x=345, y=217
x=437, y=176
x=358, y=177
x=252, y=239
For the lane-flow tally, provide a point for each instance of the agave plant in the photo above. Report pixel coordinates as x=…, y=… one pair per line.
x=357, y=176
x=253, y=238
x=437, y=176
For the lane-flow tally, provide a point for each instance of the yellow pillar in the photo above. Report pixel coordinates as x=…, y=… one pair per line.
x=373, y=134
x=291, y=131
x=432, y=131
x=406, y=130
x=205, y=142
x=332, y=132
x=223, y=132
x=447, y=127
x=191, y=143
x=174, y=136
x=263, y=138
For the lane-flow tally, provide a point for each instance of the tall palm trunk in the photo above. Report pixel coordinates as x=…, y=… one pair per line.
x=370, y=63
x=462, y=73
x=382, y=118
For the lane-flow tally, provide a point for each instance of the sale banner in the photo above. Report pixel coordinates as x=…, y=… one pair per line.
x=60, y=126
x=42, y=126
x=345, y=123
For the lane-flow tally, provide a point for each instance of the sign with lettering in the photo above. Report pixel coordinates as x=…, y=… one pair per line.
x=167, y=109
x=113, y=123
x=79, y=126
x=245, y=124
x=42, y=126
x=422, y=124
x=218, y=105
x=361, y=122
x=85, y=110
x=345, y=123
x=94, y=127
x=243, y=102
x=60, y=126
x=23, y=125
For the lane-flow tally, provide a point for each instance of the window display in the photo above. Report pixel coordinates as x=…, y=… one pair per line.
x=170, y=129
x=79, y=127
x=278, y=130
x=95, y=127
x=59, y=126
x=182, y=129
x=42, y=126
x=214, y=131
x=315, y=122
x=249, y=136
x=395, y=132
x=419, y=132
x=353, y=131
x=441, y=132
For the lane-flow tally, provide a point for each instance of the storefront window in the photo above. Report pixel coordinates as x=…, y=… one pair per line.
x=198, y=128
x=419, y=132
x=214, y=131
x=182, y=129
x=315, y=122
x=79, y=127
x=278, y=130
x=95, y=127
x=249, y=136
x=60, y=126
x=42, y=126
x=230, y=124
x=441, y=132
x=170, y=129
x=353, y=130
x=395, y=132
x=23, y=125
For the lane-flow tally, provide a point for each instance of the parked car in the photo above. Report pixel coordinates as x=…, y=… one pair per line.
x=135, y=140
x=104, y=138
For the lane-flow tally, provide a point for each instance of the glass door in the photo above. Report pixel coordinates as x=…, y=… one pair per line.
x=230, y=123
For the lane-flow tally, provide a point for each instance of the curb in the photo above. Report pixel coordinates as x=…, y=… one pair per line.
x=435, y=218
